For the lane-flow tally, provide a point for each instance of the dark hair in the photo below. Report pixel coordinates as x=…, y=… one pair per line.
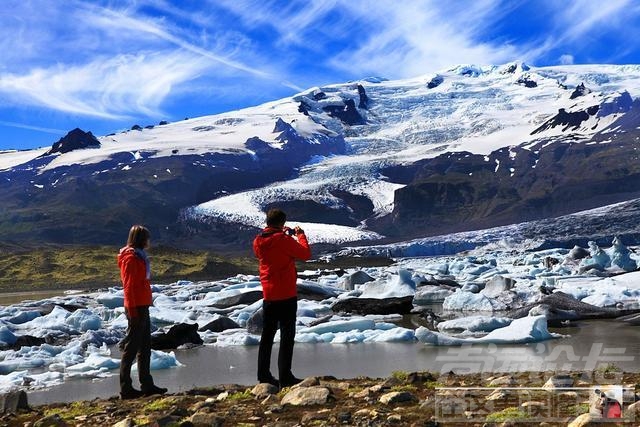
x=138, y=237
x=276, y=218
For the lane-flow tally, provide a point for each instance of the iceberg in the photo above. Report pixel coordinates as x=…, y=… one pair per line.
x=401, y=285
x=525, y=330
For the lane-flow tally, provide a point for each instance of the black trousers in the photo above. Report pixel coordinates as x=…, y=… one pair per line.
x=137, y=344
x=282, y=313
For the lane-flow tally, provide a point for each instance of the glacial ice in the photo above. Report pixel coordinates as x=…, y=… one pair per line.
x=83, y=336
x=524, y=330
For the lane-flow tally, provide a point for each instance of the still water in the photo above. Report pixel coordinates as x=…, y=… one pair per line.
x=591, y=344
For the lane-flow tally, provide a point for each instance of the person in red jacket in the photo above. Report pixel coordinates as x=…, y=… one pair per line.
x=135, y=272
x=277, y=251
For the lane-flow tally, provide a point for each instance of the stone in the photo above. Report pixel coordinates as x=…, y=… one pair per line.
x=247, y=298
x=533, y=404
x=310, y=417
x=271, y=399
x=219, y=325
x=397, y=397
x=364, y=306
x=558, y=381
x=344, y=417
x=308, y=382
x=303, y=396
x=127, y=422
x=205, y=419
x=394, y=419
x=180, y=334
x=505, y=381
x=54, y=420
x=633, y=411
x=263, y=390
x=583, y=420
x=12, y=401
x=497, y=394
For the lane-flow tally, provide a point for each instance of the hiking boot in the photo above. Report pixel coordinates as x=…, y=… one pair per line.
x=154, y=389
x=131, y=394
x=288, y=382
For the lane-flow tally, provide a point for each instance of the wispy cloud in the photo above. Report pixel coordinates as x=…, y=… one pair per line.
x=30, y=127
x=107, y=87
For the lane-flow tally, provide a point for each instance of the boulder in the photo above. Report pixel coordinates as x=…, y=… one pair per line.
x=202, y=419
x=303, y=396
x=364, y=306
x=397, y=397
x=12, y=401
x=584, y=420
x=180, y=334
x=219, y=325
x=313, y=291
x=558, y=381
x=247, y=298
x=263, y=390
x=54, y=420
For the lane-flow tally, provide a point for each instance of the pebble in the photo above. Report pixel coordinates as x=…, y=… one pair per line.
x=303, y=396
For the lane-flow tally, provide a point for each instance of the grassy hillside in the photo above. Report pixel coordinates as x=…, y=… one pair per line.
x=73, y=267
x=55, y=267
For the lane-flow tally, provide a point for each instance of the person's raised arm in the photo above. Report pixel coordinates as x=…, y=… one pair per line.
x=299, y=249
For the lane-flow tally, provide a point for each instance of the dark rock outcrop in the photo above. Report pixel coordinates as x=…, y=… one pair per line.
x=347, y=113
x=74, y=140
x=219, y=325
x=399, y=305
x=569, y=120
x=244, y=298
x=580, y=90
x=364, y=99
x=436, y=81
x=180, y=334
x=526, y=81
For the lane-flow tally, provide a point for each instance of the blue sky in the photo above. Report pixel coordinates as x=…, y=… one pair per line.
x=105, y=65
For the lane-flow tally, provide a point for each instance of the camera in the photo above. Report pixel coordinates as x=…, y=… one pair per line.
x=290, y=231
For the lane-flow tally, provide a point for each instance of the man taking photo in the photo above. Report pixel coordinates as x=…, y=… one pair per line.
x=277, y=250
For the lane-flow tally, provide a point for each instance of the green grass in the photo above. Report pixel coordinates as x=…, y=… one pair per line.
x=609, y=368
x=580, y=409
x=71, y=411
x=66, y=267
x=507, y=414
x=408, y=388
x=400, y=375
x=160, y=404
x=241, y=395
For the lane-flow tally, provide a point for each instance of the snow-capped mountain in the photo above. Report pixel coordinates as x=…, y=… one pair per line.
x=468, y=148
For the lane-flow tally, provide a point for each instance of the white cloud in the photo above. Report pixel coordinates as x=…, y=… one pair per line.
x=105, y=87
x=30, y=127
x=566, y=59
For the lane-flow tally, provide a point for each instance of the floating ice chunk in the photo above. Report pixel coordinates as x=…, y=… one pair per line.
x=238, y=337
x=40, y=326
x=474, y=324
x=161, y=360
x=430, y=294
x=598, y=259
x=524, y=330
x=336, y=326
x=400, y=285
x=95, y=361
x=621, y=256
x=20, y=317
x=84, y=320
x=112, y=299
x=467, y=301
x=7, y=337
x=392, y=335
x=8, y=366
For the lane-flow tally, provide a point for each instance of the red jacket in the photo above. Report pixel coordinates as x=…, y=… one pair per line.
x=277, y=253
x=137, y=287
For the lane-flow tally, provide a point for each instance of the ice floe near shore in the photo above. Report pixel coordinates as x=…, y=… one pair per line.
x=496, y=296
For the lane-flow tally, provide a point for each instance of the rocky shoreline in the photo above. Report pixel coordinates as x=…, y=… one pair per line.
x=411, y=399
